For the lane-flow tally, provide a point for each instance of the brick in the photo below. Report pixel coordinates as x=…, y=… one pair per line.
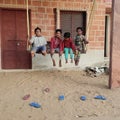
x=13, y=1
x=95, y=27
x=21, y=2
x=1, y=1
x=45, y=4
x=7, y=1
x=100, y=38
x=36, y=3
x=49, y=10
x=51, y=27
x=54, y=4
x=41, y=10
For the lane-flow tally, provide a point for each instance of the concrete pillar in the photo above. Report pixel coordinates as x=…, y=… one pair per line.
x=114, y=80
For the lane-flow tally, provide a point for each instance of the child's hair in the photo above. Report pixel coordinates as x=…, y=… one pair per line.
x=67, y=35
x=37, y=28
x=79, y=28
x=58, y=30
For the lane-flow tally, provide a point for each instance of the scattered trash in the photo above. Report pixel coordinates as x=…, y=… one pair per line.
x=47, y=90
x=34, y=104
x=96, y=71
x=83, y=98
x=100, y=97
x=78, y=116
x=61, y=97
x=26, y=97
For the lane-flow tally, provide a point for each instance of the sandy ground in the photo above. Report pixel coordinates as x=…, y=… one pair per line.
x=71, y=84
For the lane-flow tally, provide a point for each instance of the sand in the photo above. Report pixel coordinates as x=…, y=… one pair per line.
x=71, y=84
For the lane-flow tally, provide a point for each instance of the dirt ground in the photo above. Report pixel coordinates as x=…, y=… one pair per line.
x=72, y=84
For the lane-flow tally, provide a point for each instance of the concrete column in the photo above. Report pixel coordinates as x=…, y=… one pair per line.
x=114, y=80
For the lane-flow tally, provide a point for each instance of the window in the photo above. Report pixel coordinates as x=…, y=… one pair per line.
x=70, y=20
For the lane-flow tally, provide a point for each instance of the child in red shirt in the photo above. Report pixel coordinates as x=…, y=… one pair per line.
x=56, y=46
x=68, y=46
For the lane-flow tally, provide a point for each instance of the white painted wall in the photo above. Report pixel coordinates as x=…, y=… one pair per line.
x=90, y=58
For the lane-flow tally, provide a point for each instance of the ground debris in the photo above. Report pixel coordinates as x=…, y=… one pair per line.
x=96, y=71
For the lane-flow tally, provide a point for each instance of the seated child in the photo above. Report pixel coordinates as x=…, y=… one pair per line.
x=68, y=46
x=38, y=43
x=80, y=43
x=56, y=46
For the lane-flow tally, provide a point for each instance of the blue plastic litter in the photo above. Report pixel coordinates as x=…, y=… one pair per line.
x=34, y=104
x=61, y=97
x=100, y=97
x=83, y=98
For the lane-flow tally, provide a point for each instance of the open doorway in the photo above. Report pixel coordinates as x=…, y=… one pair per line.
x=107, y=36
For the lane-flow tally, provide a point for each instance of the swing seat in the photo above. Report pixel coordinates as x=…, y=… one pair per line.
x=47, y=48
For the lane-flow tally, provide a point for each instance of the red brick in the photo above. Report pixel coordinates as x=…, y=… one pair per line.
x=7, y=1
x=95, y=27
x=13, y=1
x=1, y=1
x=100, y=38
x=45, y=4
x=49, y=10
x=53, y=4
x=36, y=3
x=21, y=2
x=41, y=10
x=51, y=27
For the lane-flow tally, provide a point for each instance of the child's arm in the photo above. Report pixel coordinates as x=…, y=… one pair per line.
x=31, y=41
x=51, y=44
x=85, y=40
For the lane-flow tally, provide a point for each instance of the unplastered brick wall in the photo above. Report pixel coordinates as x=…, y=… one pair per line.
x=43, y=15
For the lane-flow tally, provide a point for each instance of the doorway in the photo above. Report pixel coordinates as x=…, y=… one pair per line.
x=14, y=39
x=107, y=36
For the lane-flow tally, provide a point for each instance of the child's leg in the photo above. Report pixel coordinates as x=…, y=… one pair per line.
x=60, y=61
x=43, y=50
x=53, y=60
x=66, y=50
x=71, y=55
x=77, y=58
x=32, y=53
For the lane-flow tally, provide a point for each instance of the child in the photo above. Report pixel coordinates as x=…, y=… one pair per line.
x=38, y=43
x=80, y=43
x=56, y=46
x=68, y=46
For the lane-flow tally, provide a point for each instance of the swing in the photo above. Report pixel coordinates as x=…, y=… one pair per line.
x=84, y=45
x=28, y=30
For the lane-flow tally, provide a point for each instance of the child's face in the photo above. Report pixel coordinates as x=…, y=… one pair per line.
x=66, y=38
x=38, y=33
x=58, y=34
x=79, y=32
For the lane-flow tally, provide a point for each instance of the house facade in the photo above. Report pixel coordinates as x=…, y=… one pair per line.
x=19, y=18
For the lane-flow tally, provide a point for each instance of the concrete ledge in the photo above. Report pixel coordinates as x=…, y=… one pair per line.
x=90, y=58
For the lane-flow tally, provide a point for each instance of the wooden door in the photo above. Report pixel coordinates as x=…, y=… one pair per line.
x=14, y=40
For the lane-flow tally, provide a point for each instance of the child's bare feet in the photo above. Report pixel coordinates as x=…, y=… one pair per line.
x=54, y=64
x=66, y=61
x=32, y=55
x=76, y=62
x=71, y=60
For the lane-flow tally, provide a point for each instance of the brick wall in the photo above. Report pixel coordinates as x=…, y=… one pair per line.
x=43, y=15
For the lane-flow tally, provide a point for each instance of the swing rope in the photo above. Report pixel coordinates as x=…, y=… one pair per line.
x=91, y=15
x=90, y=19
x=28, y=29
